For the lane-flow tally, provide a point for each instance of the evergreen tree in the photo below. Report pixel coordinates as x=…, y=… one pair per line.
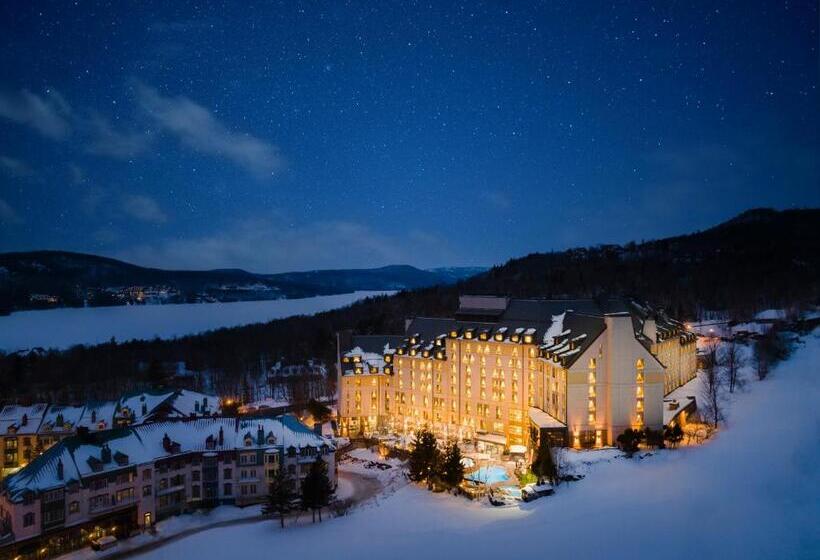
x=451, y=471
x=628, y=441
x=316, y=489
x=156, y=375
x=280, y=496
x=654, y=438
x=673, y=435
x=543, y=465
x=319, y=411
x=424, y=457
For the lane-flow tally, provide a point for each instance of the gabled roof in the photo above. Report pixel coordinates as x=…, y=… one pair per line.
x=59, y=418
x=82, y=456
x=24, y=420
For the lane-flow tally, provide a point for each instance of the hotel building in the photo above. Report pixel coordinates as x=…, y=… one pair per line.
x=116, y=482
x=507, y=371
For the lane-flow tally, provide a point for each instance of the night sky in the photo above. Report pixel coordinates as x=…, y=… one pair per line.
x=308, y=135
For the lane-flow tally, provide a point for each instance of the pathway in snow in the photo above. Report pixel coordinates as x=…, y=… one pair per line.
x=359, y=489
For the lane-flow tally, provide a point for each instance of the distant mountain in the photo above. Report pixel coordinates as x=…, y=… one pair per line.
x=759, y=260
x=43, y=279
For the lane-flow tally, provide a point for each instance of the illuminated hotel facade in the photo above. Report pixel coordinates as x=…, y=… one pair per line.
x=507, y=371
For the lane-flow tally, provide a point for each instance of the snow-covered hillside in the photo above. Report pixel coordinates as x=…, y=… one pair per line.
x=752, y=492
x=61, y=328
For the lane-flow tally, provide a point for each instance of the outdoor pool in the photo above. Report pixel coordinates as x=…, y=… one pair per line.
x=489, y=475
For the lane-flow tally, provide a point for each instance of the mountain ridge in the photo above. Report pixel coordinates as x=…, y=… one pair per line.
x=54, y=278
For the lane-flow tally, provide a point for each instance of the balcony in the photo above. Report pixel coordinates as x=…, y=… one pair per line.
x=105, y=508
x=170, y=489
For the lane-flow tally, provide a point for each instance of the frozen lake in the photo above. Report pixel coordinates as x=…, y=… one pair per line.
x=61, y=328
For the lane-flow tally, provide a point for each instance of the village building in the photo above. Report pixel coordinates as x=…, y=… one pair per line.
x=27, y=431
x=505, y=372
x=115, y=482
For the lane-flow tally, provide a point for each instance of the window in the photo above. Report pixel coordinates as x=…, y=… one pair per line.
x=195, y=476
x=74, y=507
x=195, y=491
x=146, y=490
x=124, y=496
x=227, y=489
x=227, y=473
x=146, y=474
x=28, y=520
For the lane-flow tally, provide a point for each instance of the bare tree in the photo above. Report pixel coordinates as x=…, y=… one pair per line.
x=731, y=360
x=712, y=386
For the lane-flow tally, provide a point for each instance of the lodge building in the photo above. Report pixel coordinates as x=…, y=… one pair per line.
x=118, y=481
x=28, y=430
x=507, y=371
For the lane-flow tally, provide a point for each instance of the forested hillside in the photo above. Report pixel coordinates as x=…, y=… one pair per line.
x=761, y=259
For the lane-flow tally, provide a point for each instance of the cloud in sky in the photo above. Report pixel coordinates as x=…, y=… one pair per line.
x=48, y=114
x=105, y=140
x=8, y=216
x=143, y=208
x=266, y=245
x=198, y=129
x=77, y=174
x=16, y=167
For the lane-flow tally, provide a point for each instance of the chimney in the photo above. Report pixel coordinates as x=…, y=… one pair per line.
x=105, y=454
x=166, y=443
x=221, y=437
x=24, y=420
x=93, y=416
x=59, y=469
x=260, y=436
x=144, y=409
x=317, y=428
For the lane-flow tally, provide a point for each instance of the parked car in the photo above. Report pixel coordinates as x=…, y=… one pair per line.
x=104, y=543
x=534, y=491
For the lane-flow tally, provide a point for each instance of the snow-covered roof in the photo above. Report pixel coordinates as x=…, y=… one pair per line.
x=83, y=456
x=22, y=419
x=140, y=406
x=187, y=403
x=61, y=419
x=544, y=420
x=98, y=415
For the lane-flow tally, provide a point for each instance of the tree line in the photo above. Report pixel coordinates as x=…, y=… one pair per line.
x=762, y=259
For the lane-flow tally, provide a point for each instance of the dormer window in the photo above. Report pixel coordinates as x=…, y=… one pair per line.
x=248, y=441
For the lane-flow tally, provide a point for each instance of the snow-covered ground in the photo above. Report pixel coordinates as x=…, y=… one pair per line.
x=169, y=528
x=61, y=328
x=751, y=492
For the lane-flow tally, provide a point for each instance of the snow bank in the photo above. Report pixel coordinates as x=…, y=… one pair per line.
x=752, y=492
x=61, y=328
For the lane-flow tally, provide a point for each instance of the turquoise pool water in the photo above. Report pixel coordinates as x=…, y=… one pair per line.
x=489, y=475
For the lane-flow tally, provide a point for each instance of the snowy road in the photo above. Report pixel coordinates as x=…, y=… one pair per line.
x=753, y=492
